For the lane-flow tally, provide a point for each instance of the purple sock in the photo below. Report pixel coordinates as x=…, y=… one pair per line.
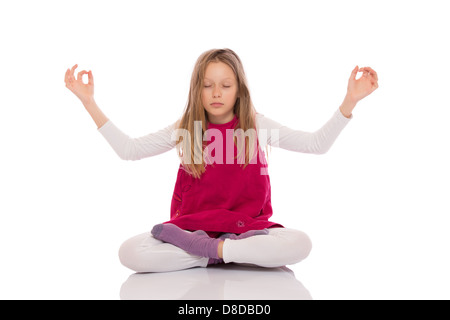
x=196, y=243
x=211, y=260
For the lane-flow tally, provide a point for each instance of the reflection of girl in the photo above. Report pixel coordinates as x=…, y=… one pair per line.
x=220, y=209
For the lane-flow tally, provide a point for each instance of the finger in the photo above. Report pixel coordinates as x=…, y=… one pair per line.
x=365, y=71
x=373, y=73
x=73, y=70
x=354, y=72
x=80, y=75
x=369, y=71
x=90, y=78
x=66, y=76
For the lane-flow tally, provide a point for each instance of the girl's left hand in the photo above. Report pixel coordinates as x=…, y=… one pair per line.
x=361, y=88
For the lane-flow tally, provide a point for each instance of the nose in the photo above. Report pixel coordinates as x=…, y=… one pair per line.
x=216, y=92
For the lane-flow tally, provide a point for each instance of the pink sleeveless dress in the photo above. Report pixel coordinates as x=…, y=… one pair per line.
x=227, y=198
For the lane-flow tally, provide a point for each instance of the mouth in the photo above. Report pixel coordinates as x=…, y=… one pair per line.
x=216, y=104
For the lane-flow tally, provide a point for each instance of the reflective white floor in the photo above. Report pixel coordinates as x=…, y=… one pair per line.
x=86, y=266
x=219, y=282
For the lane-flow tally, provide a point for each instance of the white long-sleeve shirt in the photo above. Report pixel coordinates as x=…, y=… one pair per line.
x=275, y=134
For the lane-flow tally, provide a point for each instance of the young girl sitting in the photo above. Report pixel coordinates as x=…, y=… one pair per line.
x=221, y=204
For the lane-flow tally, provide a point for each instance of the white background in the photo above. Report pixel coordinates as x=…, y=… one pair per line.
x=375, y=206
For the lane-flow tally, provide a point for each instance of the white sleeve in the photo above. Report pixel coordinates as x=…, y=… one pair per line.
x=317, y=142
x=137, y=148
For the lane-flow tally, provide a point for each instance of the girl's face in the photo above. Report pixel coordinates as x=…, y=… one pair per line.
x=219, y=92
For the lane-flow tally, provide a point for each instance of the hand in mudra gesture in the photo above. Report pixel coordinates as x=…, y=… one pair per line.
x=365, y=85
x=84, y=92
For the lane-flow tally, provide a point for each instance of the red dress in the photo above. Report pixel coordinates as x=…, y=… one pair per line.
x=227, y=198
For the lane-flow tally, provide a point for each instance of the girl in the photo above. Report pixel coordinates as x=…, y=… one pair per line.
x=221, y=203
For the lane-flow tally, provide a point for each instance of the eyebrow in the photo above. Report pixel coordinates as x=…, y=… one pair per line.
x=222, y=79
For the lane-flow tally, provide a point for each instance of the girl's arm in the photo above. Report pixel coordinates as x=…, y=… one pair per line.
x=320, y=141
x=96, y=114
x=317, y=142
x=126, y=148
x=138, y=148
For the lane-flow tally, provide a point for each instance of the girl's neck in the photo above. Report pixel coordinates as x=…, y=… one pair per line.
x=220, y=121
x=223, y=123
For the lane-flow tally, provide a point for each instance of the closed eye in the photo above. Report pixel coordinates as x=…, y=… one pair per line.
x=223, y=86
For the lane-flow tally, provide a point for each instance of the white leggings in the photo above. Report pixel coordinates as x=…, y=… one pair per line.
x=282, y=246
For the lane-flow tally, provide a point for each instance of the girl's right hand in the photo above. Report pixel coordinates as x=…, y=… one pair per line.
x=85, y=92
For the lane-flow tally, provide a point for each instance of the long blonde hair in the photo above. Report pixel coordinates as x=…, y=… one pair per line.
x=194, y=111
